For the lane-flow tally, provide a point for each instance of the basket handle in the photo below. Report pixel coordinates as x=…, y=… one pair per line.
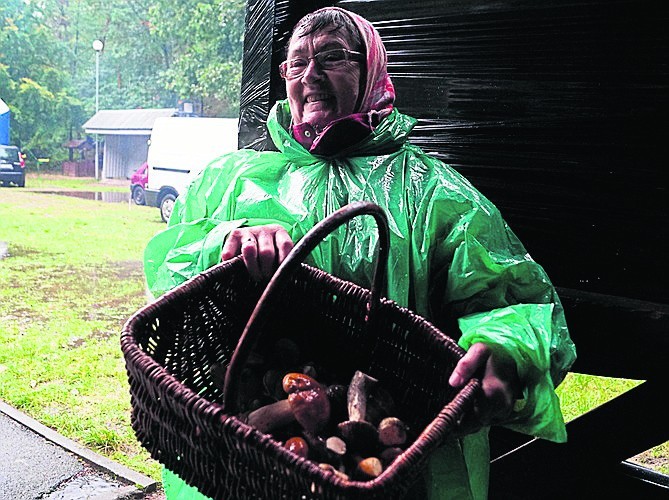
x=310, y=240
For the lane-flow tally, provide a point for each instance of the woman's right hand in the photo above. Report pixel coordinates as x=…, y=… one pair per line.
x=262, y=248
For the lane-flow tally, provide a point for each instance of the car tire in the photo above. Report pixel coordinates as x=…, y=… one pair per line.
x=166, y=206
x=138, y=195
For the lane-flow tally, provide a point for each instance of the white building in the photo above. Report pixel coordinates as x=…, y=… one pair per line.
x=125, y=135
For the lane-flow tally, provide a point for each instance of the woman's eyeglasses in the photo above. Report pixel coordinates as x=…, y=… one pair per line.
x=328, y=60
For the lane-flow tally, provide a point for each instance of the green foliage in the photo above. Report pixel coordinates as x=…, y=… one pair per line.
x=202, y=41
x=35, y=82
x=155, y=53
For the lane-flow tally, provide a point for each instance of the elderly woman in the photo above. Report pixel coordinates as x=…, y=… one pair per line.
x=453, y=258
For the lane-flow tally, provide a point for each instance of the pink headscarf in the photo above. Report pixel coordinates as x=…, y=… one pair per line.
x=379, y=91
x=376, y=103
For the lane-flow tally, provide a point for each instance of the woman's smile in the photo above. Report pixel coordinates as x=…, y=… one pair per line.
x=320, y=96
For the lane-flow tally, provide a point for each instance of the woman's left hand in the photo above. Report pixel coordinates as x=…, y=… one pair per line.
x=499, y=383
x=262, y=248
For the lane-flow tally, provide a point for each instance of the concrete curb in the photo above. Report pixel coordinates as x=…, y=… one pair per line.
x=145, y=483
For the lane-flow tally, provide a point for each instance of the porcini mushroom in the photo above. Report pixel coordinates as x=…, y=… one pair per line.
x=357, y=432
x=392, y=432
x=369, y=468
x=307, y=403
x=297, y=445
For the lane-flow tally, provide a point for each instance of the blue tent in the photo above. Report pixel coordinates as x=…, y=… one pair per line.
x=4, y=123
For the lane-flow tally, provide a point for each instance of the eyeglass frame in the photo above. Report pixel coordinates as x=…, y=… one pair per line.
x=351, y=55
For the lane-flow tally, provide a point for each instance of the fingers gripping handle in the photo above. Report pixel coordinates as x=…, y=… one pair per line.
x=310, y=240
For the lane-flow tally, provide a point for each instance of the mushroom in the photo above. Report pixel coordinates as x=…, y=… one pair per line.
x=337, y=396
x=322, y=451
x=309, y=368
x=336, y=445
x=359, y=434
x=307, y=403
x=380, y=404
x=298, y=446
x=369, y=468
x=272, y=416
x=392, y=432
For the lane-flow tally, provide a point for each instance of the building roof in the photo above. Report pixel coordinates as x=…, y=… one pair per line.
x=125, y=121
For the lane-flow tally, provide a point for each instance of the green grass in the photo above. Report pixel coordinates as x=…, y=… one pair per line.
x=72, y=277
x=581, y=393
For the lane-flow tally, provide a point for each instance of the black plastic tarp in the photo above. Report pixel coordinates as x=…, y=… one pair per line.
x=554, y=110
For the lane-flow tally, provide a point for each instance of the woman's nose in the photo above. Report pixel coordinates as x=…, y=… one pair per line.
x=312, y=72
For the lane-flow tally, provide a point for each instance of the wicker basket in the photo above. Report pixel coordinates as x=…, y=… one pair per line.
x=188, y=423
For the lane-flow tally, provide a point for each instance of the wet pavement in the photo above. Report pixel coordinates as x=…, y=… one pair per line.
x=36, y=463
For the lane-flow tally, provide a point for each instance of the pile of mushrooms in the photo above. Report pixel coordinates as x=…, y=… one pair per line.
x=348, y=429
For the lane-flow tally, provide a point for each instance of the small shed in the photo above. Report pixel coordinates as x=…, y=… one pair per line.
x=125, y=135
x=81, y=162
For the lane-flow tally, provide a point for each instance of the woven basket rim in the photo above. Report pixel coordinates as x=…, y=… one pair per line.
x=416, y=452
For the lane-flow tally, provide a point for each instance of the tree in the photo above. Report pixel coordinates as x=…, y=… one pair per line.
x=156, y=52
x=35, y=82
x=202, y=45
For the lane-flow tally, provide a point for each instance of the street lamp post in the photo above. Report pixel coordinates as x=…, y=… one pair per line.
x=97, y=47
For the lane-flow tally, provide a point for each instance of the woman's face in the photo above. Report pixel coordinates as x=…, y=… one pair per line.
x=321, y=96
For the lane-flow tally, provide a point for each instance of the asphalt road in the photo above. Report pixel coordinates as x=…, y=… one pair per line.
x=37, y=463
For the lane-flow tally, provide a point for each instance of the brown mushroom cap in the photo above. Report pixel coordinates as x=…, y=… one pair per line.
x=369, y=468
x=359, y=435
x=295, y=382
x=298, y=446
x=308, y=400
x=392, y=432
x=311, y=408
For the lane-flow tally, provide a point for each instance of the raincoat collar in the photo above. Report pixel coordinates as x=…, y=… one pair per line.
x=389, y=136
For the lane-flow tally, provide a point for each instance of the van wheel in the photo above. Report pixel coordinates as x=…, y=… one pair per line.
x=166, y=206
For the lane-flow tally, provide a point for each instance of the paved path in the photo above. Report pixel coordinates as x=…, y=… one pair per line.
x=37, y=463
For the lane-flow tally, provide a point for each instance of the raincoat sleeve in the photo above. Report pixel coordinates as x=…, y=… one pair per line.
x=198, y=226
x=502, y=297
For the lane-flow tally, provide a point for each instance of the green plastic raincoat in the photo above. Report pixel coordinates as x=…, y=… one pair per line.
x=453, y=260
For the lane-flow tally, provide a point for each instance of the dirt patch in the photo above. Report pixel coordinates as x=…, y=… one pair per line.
x=95, y=335
x=89, y=291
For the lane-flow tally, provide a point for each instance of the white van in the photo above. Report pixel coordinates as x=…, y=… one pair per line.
x=180, y=147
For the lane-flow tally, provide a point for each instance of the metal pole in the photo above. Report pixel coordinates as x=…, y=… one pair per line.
x=97, y=103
